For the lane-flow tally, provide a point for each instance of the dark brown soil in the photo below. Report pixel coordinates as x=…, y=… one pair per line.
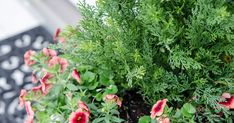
x=133, y=107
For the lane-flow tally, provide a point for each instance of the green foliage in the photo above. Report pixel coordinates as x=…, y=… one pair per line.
x=144, y=119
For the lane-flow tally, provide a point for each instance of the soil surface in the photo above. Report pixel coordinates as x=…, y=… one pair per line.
x=133, y=107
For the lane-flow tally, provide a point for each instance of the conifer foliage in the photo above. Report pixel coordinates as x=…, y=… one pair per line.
x=180, y=50
x=177, y=52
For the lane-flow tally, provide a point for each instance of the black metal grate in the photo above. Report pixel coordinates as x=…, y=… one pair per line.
x=14, y=75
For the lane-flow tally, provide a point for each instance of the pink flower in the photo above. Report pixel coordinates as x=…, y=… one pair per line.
x=27, y=57
x=48, y=52
x=157, y=109
x=22, y=96
x=76, y=75
x=114, y=98
x=30, y=112
x=78, y=117
x=34, y=78
x=163, y=120
x=229, y=102
x=83, y=107
x=46, y=77
x=56, y=36
x=45, y=87
x=63, y=63
x=226, y=95
x=36, y=89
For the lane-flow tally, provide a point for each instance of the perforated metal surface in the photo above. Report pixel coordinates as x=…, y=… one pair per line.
x=14, y=75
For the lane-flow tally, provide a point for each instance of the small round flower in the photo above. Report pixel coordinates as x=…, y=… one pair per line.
x=78, y=117
x=157, y=109
x=76, y=75
x=83, y=107
x=46, y=77
x=112, y=97
x=57, y=36
x=48, y=52
x=27, y=57
x=63, y=63
x=45, y=87
x=30, y=112
x=22, y=96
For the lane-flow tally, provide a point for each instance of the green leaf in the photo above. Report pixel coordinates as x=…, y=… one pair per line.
x=98, y=96
x=144, y=119
x=88, y=76
x=94, y=86
x=188, y=110
x=116, y=119
x=85, y=67
x=72, y=87
x=98, y=120
x=112, y=89
x=177, y=114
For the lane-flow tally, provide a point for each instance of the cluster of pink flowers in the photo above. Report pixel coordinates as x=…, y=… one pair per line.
x=45, y=85
x=229, y=101
x=81, y=115
x=157, y=111
x=28, y=107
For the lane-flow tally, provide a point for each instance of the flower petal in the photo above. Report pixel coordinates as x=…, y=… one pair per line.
x=30, y=112
x=27, y=57
x=76, y=75
x=23, y=93
x=112, y=97
x=158, y=108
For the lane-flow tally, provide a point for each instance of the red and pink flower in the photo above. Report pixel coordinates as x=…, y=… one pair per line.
x=30, y=112
x=37, y=89
x=27, y=57
x=83, y=107
x=48, y=52
x=22, y=96
x=46, y=77
x=63, y=63
x=229, y=101
x=45, y=87
x=76, y=75
x=78, y=117
x=157, y=109
x=114, y=98
x=56, y=36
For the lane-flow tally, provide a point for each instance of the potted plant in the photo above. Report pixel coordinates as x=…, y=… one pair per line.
x=138, y=61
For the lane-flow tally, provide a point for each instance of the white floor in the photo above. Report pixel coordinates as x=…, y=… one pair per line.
x=14, y=18
x=17, y=16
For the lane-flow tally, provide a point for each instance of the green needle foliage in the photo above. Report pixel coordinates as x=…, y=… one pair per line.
x=181, y=50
